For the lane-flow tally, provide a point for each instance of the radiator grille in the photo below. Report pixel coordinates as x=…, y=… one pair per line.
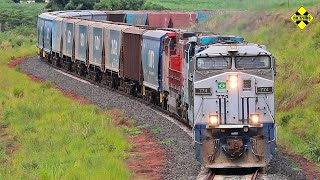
x=247, y=84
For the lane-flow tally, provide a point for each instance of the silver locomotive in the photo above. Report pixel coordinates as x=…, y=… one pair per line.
x=232, y=104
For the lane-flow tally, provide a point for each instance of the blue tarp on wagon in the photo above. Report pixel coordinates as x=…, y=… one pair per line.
x=57, y=30
x=202, y=16
x=44, y=28
x=152, y=58
x=135, y=18
x=40, y=33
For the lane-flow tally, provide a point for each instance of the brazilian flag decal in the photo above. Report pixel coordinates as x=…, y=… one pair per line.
x=222, y=85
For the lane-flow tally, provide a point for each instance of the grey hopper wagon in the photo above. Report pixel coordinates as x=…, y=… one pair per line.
x=68, y=37
x=81, y=40
x=96, y=44
x=113, y=45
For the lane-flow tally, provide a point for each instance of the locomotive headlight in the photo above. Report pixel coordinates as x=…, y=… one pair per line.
x=213, y=120
x=255, y=119
x=233, y=81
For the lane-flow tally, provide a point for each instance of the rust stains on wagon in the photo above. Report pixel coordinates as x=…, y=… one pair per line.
x=159, y=19
x=131, y=64
x=183, y=19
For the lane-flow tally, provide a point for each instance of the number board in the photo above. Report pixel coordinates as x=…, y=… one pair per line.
x=261, y=90
x=203, y=91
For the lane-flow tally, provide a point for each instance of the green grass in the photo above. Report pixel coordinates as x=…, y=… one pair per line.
x=298, y=78
x=232, y=4
x=59, y=138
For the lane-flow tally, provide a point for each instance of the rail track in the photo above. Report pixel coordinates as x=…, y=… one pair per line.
x=212, y=175
x=255, y=175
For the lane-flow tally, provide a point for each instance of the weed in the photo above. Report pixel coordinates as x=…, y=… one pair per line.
x=313, y=152
x=285, y=119
x=46, y=85
x=296, y=169
x=2, y=151
x=145, y=126
x=132, y=130
x=17, y=68
x=132, y=122
x=18, y=92
x=157, y=130
x=166, y=142
x=122, y=119
x=139, y=156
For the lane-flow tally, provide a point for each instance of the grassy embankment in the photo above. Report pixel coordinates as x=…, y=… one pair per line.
x=298, y=78
x=231, y=4
x=54, y=137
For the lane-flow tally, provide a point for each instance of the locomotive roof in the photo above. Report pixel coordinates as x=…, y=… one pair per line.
x=156, y=34
x=247, y=49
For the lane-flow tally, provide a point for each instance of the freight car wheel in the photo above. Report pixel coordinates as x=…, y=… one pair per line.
x=74, y=66
x=165, y=103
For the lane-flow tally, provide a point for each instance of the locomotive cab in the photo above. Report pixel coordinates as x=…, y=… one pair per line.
x=233, y=85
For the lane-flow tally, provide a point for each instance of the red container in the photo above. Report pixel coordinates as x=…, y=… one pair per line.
x=183, y=19
x=159, y=20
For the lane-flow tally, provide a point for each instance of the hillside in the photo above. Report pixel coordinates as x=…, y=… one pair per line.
x=256, y=5
x=298, y=71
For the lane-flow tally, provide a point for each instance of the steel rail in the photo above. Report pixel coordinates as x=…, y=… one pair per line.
x=210, y=175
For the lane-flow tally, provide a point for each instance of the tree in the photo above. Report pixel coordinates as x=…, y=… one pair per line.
x=70, y=4
x=57, y=5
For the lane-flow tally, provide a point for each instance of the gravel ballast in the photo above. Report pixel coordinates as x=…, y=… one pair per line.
x=181, y=163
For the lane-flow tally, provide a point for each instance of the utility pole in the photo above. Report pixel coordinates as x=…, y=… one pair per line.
x=288, y=4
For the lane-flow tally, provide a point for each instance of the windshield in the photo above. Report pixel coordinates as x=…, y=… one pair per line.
x=213, y=63
x=253, y=62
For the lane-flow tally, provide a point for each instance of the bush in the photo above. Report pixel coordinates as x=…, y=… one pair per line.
x=152, y=6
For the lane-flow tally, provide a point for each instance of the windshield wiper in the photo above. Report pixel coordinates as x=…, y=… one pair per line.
x=256, y=57
x=224, y=58
x=244, y=55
